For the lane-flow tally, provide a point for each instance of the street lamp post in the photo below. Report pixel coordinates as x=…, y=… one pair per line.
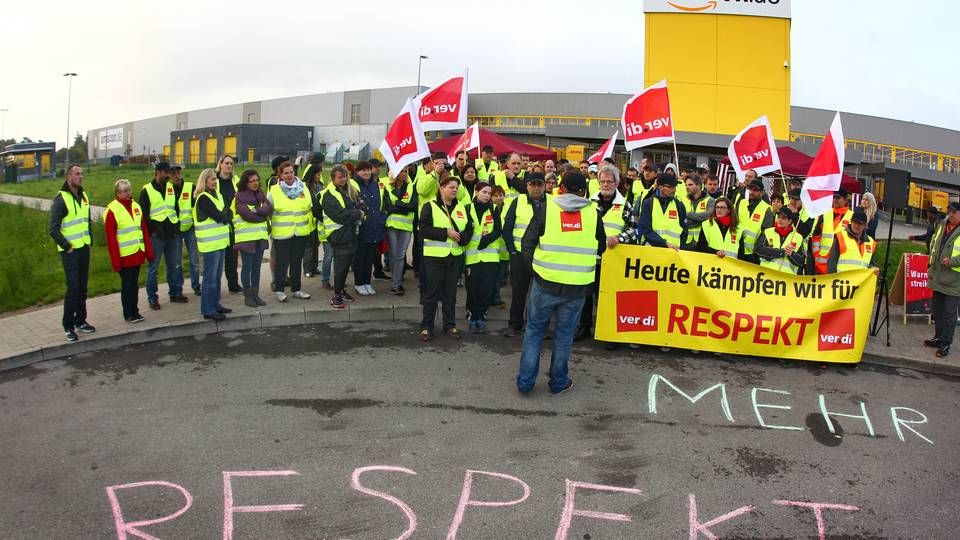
x=70, y=76
x=419, y=65
x=3, y=124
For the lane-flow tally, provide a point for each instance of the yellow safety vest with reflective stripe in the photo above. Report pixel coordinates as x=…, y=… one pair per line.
x=667, y=224
x=567, y=251
x=782, y=264
x=728, y=243
x=162, y=207
x=750, y=223
x=500, y=179
x=482, y=172
x=211, y=236
x=482, y=225
x=612, y=220
x=185, y=206
x=854, y=256
x=593, y=187
x=524, y=213
x=639, y=192
x=330, y=225
x=935, y=254
x=75, y=226
x=129, y=231
x=693, y=230
x=236, y=183
x=401, y=222
x=291, y=217
x=460, y=217
x=829, y=231
x=246, y=231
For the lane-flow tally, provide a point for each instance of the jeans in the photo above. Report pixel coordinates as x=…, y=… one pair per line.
x=129, y=287
x=542, y=306
x=520, y=282
x=441, y=274
x=363, y=262
x=76, y=269
x=586, y=315
x=170, y=250
x=943, y=308
x=193, y=256
x=399, y=240
x=250, y=271
x=289, y=257
x=327, y=262
x=210, y=286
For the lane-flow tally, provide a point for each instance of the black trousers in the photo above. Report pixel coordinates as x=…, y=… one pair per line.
x=586, y=314
x=230, y=257
x=76, y=269
x=943, y=309
x=289, y=254
x=311, y=255
x=441, y=286
x=129, y=289
x=342, y=259
x=481, y=286
x=363, y=261
x=520, y=273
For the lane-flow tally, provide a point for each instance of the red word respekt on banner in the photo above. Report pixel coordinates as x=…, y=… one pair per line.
x=444, y=107
x=404, y=142
x=646, y=118
x=754, y=148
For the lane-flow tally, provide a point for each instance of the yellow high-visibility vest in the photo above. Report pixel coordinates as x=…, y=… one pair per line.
x=162, y=207
x=482, y=225
x=750, y=223
x=185, y=207
x=246, y=231
x=728, y=243
x=854, y=256
x=129, y=227
x=459, y=216
x=75, y=226
x=782, y=264
x=291, y=217
x=667, y=223
x=567, y=251
x=211, y=236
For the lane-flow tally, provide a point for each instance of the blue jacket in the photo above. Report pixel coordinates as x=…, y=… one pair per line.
x=374, y=228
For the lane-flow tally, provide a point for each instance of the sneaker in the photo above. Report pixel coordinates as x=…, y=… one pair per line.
x=481, y=327
x=564, y=389
x=301, y=295
x=397, y=291
x=453, y=333
x=370, y=290
x=135, y=319
x=425, y=335
x=86, y=328
x=327, y=286
x=346, y=297
x=179, y=299
x=154, y=305
x=361, y=290
x=665, y=349
x=472, y=327
x=935, y=343
x=281, y=296
x=943, y=351
x=382, y=277
x=337, y=302
x=71, y=336
x=307, y=274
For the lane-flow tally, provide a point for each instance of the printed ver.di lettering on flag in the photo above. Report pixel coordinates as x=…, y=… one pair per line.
x=646, y=117
x=404, y=142
x=444, y=107
x=754, y=148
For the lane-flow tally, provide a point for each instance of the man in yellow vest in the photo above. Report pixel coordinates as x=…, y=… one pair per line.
x=71, y=230
x=183, y=191
x=486, y=165
x=159, y=203
x=781, y=247
x=510, y=178
x=699, y=207
x=644, y=186
x=561, y=244
x=515, y=222
x=663, y=218
x=944, y=278
x=852, y=248
x=825, y=229
x=753, y=216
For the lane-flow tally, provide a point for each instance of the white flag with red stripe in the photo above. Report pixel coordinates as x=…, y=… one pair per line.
x=754, y=148
x=468, y=141
x=825, y=173
x=646, y=117
x=444, y=107
x=404, y=142
x=606, y=150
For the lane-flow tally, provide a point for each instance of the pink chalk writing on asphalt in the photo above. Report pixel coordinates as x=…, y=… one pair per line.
x=818, y=511
x=465, y=500
x=407, y=511
x=124, y=528
x=229, y=508
x=570, y=509
x=697, y=528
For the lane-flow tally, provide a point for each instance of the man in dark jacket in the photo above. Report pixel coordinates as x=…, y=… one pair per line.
x=933, y=218
x=519, y=268
x=164, y=235
x=71, y=229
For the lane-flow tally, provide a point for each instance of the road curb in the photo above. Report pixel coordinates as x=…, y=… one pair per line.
x=909, y=363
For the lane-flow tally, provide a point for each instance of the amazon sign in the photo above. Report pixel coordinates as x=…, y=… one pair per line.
x=757, y=8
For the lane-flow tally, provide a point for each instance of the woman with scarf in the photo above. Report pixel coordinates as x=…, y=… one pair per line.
x=341, y=222
x=290, y=227
x=128, y=242
x=252, y=210
x=720, y=234
x=446, y=228
x=468, y=176
x=482, y=257
x=211, y=221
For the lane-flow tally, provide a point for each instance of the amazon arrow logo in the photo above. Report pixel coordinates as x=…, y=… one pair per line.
x=712, y=4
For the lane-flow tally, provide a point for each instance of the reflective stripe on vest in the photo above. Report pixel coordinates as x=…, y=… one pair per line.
x=129, y=231
x=482, y=172
x=524, y=213
x=185, y=206
x=434, y=248
x=853, y=256
x=330, y=225
x=693, y=230
x=246, y=231
x=667, y=225
x=402, y=222
x=567, y=251
x=290, y=216
x=935, y=254
x=612, y=220
x=211, y=236
x=500, y=179
x=162, y=207
x=829, y=230
x=782, y=264
x=639, y=192
x=728, y=243
x=750, y=223
x=482, y=225
x=75, y=226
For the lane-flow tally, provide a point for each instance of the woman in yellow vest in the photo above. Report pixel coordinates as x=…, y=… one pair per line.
x=781, y=247
x=403, y=205
x=482, y=257
x=721, y=233
x=289, y=228
x=128, y=242
x=211, y=222
x=341, y=223
x=251, y=212
x=446, y=228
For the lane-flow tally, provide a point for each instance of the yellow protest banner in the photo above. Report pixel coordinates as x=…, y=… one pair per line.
x=658, y=296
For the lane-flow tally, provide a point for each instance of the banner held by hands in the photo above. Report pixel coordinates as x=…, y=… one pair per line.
x=404, y=143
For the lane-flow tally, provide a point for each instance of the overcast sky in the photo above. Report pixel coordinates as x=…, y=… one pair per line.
x=895, y=59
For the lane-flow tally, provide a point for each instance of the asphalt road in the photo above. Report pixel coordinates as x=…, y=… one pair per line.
x=357, y=431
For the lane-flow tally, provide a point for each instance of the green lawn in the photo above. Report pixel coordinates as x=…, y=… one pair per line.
x=897, y=249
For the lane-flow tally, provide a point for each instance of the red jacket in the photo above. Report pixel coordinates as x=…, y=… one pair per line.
x=129, y=261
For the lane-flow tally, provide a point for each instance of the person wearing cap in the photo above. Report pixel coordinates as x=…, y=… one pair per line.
x=482, y=258
x=781, y=247
x=593, y=181
x=158, y=201
x=852, y=248
x=754, y=215
x=613, y=211
x=485, y=164
x=826, y=228
x=643, y=186
x=662, y=221
x=804, y=223
x=699, y=207
x=510, y=178
x=561, y=245
x=71, y=230
x=183, y=191
x=314, y=162
x=520, y=211
x=944, y=279
x=721, y=234
x=792, y=184
x=933, y=219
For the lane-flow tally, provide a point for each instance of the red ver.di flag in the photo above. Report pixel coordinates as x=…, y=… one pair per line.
x=468, y=141
x=444, y=107
x=646, y=118
x=404, y=142
x=754, y=148
x=605, y=151
x=825, y=173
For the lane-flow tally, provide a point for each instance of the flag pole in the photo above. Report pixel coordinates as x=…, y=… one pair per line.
x=676, y=156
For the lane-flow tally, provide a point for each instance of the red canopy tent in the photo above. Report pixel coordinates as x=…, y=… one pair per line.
x=796, y=163
x=501, y=145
